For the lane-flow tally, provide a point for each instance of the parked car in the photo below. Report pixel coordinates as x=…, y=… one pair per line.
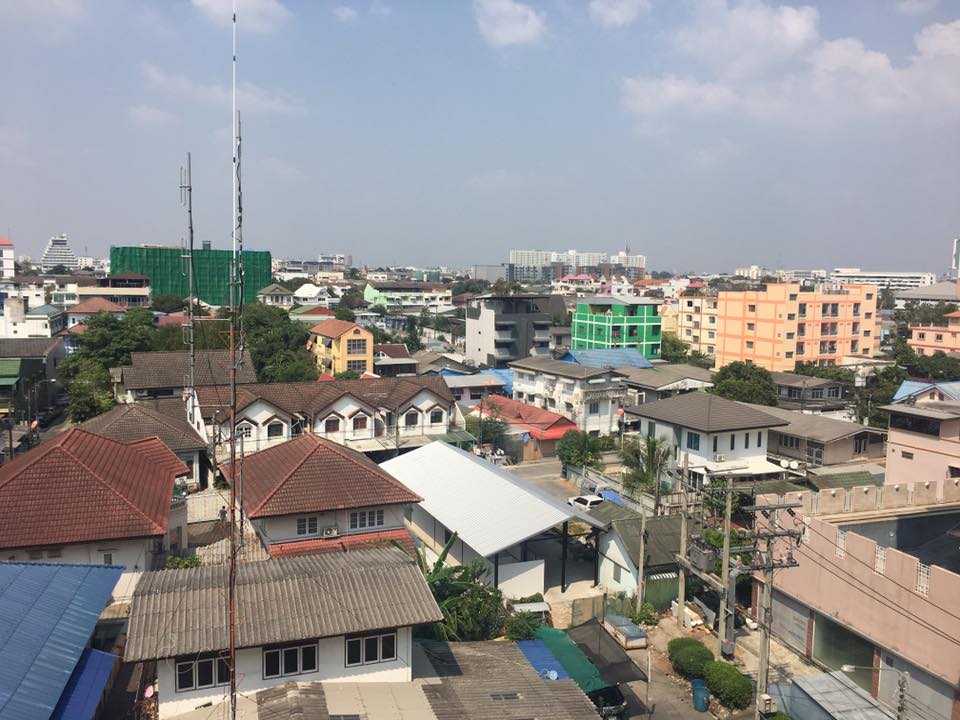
x=585, y=502
x=609, y=701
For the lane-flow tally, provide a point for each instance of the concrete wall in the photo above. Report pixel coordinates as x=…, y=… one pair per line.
x=932, y=456
x=521, y=579
x=283, y=528
x=331, y=667
x=613, y=554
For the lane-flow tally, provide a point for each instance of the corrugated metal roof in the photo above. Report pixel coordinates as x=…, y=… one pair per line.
x=47, y=615
x=490, y=508
x=663, y=375
x=10, y=368
x=907, y=388
x=84, y=691
x=481, y=379
x=840, y=697
x=178, y=612
x=567, y=368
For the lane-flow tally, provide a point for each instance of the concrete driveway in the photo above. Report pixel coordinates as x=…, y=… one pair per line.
x=545, y=474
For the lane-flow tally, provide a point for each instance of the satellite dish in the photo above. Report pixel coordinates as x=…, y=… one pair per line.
x=784, y=464
x=794, y=465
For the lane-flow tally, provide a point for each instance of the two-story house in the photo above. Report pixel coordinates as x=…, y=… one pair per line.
x=311, y=495
x=81, y=312
x=710, y=434
x=923, y=440
x=819, y=396
x=336, y=617
x=85, y=499
x=586, y=395
x=341, y=346
x=276, y=295
x=165, y=374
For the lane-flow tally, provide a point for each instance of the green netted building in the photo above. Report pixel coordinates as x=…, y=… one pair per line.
x=167, y=270
x=606, y=321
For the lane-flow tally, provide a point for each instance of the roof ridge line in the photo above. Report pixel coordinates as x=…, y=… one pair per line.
x=107, y=485
x=286, y=477
x=356, y=461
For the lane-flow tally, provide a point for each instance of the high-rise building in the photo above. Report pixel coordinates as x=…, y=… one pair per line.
x=6, y=259
x=626, y=260
x=531, y=258
x=57, y=253
x=606, y=321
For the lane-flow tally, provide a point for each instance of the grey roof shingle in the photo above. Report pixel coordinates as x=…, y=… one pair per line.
x=663, y=533
x=310, y=596
x=561, y=368
x=152, y=418
x=28, y=347
x=802, y=381
x=166, y=369
x=662, y=375
x=816, y=427
x=706, y=413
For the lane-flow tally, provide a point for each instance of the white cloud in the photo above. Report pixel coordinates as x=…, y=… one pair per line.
x=940, y=39
x=916, y=7
x=508, y=22
x=149, y=116
x=345, y=13
x=380, y=9
x=261, y=16
x=644, y=96
x=748, y=38
x=251, y=98
x=617, y=13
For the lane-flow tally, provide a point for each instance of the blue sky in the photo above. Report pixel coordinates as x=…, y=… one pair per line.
x=703, y=133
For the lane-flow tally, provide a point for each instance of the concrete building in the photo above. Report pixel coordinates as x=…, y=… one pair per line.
x=923, y=440
x=56, y=253
x=645, y=385
x=405, y=295
x=19, y=321
x=586, y=395
x=817, y=440
x=490, y=273
x=929, y=339
x=501, y=328
x=340, y=346
x=606, y=321
x=7, y=259
x=697, y=322
x=784, y=324
x=894, y=280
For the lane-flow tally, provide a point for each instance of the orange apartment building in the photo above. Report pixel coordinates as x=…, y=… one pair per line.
x=782, y=325
x=928, y=339
x=697, y=322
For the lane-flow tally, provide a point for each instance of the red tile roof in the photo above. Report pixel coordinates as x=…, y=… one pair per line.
x=312, y=474
x=541, y=424
x=333, y=328
x=4, y=242
x=78, y=329
x=95, y=305
x=360, y=541
x=80, y=487
x=319, y=311
x=392, y=350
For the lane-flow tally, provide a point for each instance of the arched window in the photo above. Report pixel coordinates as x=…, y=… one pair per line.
x=436, y=417
x=360, y=422
x=332, y=425
x=411, y=419
x=245, y=431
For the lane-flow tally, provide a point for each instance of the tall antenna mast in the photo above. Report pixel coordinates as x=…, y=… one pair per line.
x=186, y=197
x=234, y=315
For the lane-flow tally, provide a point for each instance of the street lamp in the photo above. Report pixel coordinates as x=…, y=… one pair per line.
x=902, y=681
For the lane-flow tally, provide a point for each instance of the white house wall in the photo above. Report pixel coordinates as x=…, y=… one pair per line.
x=613, y=554
x=331, y=667
x=283, y=528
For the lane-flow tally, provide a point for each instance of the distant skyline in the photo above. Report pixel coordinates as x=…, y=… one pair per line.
x=704, y=134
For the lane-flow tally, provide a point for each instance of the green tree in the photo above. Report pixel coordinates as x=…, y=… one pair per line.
x=675, y=350
x=886, y=300
x=347, y=375
x=490, y=430
x=59, y=270
x=207, y=335
x=745, y=382
x=277, y=345
x=168, y=303
x=108, y=341
x=830, y=372
x=469, y=286
x=412, y=338
x=646, y=462
x=352, y=297
x=506, y=287
x=880, y=389
x=87, y=383
x=579, y=449
x=344, y=313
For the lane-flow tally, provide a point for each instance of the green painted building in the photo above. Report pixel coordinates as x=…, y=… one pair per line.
x=606, y=321
x=167, y=270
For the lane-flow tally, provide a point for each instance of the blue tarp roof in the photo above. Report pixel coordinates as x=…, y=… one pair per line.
x=911, y=387
x=613, y=496
x=614, y=358
x=506, y=375
x=47, y=615
x=82, y=694
x=543, y=659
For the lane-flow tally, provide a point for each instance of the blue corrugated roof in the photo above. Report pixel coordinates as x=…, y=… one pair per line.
x=613, y=357
x=950, y=388
x=506, y=375
x=47, y=615
x=542, y=659
x=84, y=690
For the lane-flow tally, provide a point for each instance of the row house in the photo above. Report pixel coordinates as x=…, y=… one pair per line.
x=404, y=295
x=587, y=396
x=166, y=374
x=370, y=415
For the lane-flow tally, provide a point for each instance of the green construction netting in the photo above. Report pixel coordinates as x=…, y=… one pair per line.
x=572, y=658
x=167, y=270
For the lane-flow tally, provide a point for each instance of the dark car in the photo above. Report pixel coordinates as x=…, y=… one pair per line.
x=609, y=701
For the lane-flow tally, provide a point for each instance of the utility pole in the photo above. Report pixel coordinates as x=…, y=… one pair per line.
x=641, y=585
x=186, y=197
x=725, y=599
x=902, y=695
x=767, y=615
x=682, y=589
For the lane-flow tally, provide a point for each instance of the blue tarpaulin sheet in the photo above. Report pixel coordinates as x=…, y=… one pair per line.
x=84, y=689
x=542, y=659
x=613, y=496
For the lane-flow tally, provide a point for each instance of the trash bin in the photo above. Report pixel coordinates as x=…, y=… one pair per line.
x=701, y=695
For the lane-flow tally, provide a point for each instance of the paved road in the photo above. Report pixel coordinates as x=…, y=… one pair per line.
x=545, y=474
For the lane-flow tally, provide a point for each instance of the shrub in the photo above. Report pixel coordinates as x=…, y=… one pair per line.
x=535, y=598
x=677, y=644
x=730, y=686
x=176, y=563
x=690, y=661
x=779, y=715
x=646, y=615
x=522, y=626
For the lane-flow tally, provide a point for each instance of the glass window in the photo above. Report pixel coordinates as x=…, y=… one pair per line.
x=108, y=558
x=307, y=525
x=357, y=366
x=594, y=408
x=184, y=676
x=733, y=441
x=411, y=418
x=746, y=441
x=245, y=431
x=308, y=658
x=360, y=422
x=371, y=649
x=223, y=672
x=356, y=347
x=332, y=425
x=693, y=440
x=759, y=439
x=354, y=652
x=275, y=430
x=205, y=673
x=388, y=647
x=436, y=417
x=715, y=439
x=291, y=661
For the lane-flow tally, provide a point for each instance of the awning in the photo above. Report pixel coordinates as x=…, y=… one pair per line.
x=7, y=381
x=456, y=436
x=84, y=689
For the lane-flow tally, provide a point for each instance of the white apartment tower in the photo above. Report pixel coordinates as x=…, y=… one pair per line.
x=58, y=252
x=6, y=259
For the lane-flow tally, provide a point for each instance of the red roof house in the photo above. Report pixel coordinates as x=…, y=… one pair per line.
x=541, y=424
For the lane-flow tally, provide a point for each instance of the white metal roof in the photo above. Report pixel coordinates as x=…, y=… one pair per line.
x=490, y=508
x=475, y=380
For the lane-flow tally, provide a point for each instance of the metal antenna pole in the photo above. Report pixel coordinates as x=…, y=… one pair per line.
x=232, y=599
x=186, y=190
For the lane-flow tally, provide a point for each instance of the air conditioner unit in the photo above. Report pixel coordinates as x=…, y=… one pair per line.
x=719, y=457
x=331, y=531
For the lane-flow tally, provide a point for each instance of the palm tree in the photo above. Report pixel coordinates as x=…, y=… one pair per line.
x=646, y=460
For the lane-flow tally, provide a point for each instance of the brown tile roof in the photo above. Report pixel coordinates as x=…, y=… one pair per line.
x=392, y=350
x=80, y=487
x=281, y=600
x=166, y=369
x=151, y=418
x=312, y=474
x=310, y=398
x=333, y=328
x=345, y=543
x=95, y=305
x=28, y=347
